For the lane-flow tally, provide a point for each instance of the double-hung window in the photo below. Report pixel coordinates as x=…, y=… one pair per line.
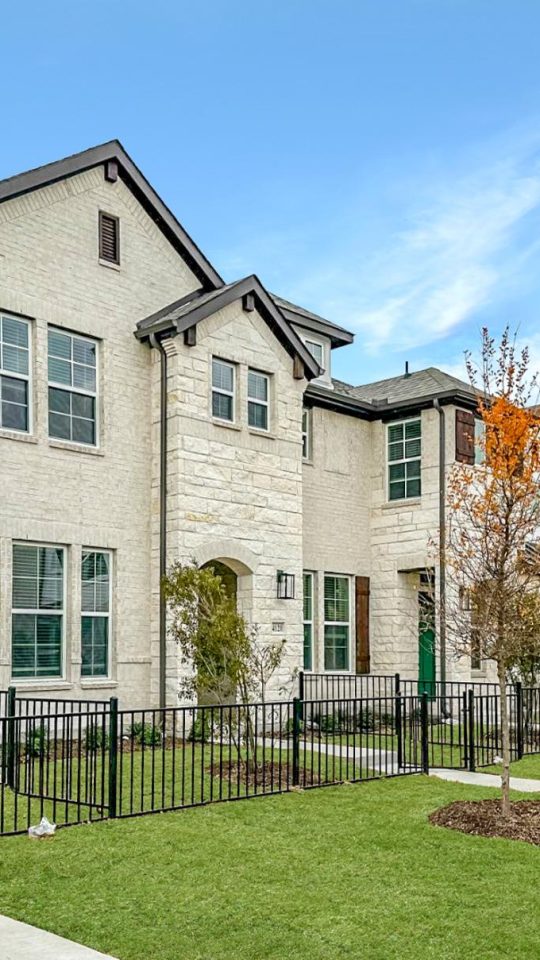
x=223, y=379
x=337, y=622
x=308, y=621
x=14, y=373
x=95, y=613
x=37, y=611
x=258, y=400
x=404, y=459
x=72, y=387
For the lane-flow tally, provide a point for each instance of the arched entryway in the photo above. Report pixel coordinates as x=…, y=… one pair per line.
x=226, y=574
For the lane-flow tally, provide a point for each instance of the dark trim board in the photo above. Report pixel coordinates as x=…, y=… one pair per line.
x=317, y=396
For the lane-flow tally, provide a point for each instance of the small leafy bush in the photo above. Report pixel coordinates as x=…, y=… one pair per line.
x=95, y=738
x=37, y=742
x=147, y=734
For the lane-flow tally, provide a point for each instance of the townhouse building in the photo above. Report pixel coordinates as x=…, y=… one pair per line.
x=151, y=412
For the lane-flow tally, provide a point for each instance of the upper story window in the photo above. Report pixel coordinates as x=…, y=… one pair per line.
x=14, y=373
x=404, y=459
x=223, y=387
x=258, y=400
x=72, y=387
x=37, y=611
x=109, y=238
x=95, y=613
x=306, y=434
x=316, y=350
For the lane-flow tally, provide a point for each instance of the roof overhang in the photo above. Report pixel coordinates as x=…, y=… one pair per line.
x=333, y=400
x=310, y=322
x=184, y=314
x=138, y=184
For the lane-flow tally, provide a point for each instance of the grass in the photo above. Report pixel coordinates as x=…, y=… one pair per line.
x=528, y=767
x=352, y=871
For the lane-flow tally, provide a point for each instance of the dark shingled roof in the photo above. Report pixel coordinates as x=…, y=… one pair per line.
x=421, y=383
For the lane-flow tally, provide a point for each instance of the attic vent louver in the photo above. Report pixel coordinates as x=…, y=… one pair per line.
x=109, y=238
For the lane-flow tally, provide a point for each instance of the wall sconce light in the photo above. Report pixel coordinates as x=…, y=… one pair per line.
x=285, y=585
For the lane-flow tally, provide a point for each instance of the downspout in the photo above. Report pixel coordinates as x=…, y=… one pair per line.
x=442, y=550
x=157, y=344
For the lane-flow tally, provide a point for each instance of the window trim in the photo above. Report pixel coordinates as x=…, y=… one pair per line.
x=339, y=623
x=311, y=622
x=307, y=457
x=80, y=390
x=220, y=390
x=21, y=376
x=261, y=403
x=389, y=463
x=102, y=259
x=62, y=676
x=89, y=613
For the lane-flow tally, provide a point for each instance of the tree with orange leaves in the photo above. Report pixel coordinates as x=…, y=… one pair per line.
x=492, y=603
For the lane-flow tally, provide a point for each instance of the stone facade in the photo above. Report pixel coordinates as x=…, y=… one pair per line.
x=241, y=496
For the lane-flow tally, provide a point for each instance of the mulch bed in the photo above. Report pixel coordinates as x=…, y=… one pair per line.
x=265, y=774
x=484, y=818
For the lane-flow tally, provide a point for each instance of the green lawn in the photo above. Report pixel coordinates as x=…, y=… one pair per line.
x=351, y=871
x=528, y=767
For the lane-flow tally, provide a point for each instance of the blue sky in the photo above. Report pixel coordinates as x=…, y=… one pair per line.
x=378, y=162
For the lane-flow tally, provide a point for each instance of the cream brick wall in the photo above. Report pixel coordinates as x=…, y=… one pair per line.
x=51, y=492
x=235, y=493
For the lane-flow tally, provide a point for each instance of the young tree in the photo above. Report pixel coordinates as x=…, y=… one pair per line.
x=222, y=653
x=492, y=606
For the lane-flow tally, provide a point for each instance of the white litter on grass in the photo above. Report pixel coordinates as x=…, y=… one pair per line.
x=498, y=760
x=43, y=829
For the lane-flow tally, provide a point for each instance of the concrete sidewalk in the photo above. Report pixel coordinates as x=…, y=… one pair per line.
x=19, y=941
x=485, y=780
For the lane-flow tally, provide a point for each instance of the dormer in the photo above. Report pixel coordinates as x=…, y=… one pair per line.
x=319, y=336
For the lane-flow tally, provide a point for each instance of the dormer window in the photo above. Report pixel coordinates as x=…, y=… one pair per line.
x=316, y=350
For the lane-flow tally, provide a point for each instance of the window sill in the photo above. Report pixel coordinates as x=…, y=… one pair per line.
x=261, y=433
x=17, y=435
x=109, y=264
x=76, y=447
x=400, y=504
x=98, y=683
x=40, y=686
x=226, y=424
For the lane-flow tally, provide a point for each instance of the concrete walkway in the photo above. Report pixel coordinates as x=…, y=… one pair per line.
x=19, y=941
x=486, y=780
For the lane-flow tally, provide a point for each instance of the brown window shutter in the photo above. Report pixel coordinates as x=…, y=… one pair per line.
x=465, y=436
x=109, y=238
x=362, y=625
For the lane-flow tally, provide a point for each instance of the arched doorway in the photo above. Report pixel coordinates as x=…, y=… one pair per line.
x=227, y=575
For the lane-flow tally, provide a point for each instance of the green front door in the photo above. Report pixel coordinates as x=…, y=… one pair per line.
x=426, y=646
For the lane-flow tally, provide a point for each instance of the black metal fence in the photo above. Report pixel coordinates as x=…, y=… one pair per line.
x=94, y=761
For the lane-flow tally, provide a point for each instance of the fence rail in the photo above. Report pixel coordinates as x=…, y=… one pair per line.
x=83, y=765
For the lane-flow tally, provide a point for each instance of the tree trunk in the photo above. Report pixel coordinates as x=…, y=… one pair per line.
x=505, y=730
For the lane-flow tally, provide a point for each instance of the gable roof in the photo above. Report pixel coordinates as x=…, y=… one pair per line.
x=189, y=311
x=312, y=321
x=127, y=170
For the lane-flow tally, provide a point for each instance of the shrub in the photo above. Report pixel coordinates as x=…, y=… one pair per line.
x=37, y=742
x=147, y=734
x=95, y=738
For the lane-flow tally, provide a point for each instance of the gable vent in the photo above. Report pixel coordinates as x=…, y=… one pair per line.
x=109, y=238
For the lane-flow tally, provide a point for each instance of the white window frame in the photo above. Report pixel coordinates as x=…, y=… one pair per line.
x=310, y=341
x=70, y=389
x=220, y=390
x=393, y=463
x=88, y=677
x=307, y=451
x=479, y=435
x=260, y=403
x=309, y=622
x=56, y=612
x=338, y=623
x=20, y=376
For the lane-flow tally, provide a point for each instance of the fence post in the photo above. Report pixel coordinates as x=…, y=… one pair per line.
x=113, y=757
x=297, y=718
x=519, y=719
x=470, y=704
x=11, y=731
x=463, y=726
x=425, y=735
x=397, y=683
x=301, y=691
x=399, y=729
